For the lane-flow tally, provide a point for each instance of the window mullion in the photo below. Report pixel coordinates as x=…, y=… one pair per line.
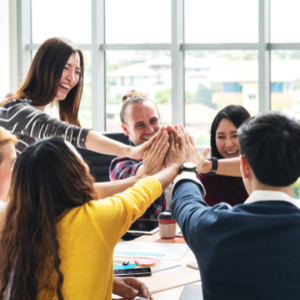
x=98, y=66
x=23, y=37
x=178, y=107
x=264, y=56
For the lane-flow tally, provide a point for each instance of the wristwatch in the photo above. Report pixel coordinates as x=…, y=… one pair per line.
x=189, y=167
x=214, y=168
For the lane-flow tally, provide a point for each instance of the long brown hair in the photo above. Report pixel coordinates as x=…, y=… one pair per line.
x=42, y=80
x=47, y=180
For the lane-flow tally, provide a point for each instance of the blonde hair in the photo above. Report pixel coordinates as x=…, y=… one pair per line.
x=133, y=97
x=6, y=137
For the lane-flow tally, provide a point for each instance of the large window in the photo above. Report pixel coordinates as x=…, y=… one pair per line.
x=192, y=57
x=213, y=80
x=221, y=21
x=136, y=21
x=66, y=18
x=145, y=71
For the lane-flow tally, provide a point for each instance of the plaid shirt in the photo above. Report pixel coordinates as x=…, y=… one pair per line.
x=124, y=167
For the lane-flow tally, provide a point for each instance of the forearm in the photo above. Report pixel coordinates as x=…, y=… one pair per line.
x=167, y=175
x=108, y=189
x=187, y=208
x=100, y=143
x=226, y=167
x=140, y=170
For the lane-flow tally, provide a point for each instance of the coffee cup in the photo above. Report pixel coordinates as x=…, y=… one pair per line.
x=167, y=226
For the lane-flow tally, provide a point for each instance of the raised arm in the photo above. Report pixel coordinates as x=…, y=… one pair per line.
x=100, y=143
x=22, y=118
x=152, y=163
x=126, y=207
x=226, y=167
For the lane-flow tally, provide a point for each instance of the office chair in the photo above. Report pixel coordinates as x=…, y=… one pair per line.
x=99, y=163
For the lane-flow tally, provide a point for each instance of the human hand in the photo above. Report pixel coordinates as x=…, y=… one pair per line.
x=138, y=152
x=176, y=152
x=191, y=152
x=154, y=156
x=130, y=287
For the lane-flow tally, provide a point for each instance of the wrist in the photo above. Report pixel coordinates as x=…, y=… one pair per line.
x=193, y=174
x=127, y=151
x=173, y=168
x=205, y=168
x=214, y=168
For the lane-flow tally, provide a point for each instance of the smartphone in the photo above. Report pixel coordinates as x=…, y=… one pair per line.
x=133, y=272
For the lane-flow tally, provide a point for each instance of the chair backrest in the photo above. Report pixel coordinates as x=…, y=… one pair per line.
x=99, y=163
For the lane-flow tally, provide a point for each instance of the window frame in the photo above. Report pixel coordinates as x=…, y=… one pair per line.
x=98, y=48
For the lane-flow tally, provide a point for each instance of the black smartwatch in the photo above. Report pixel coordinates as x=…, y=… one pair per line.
x=214, y=168
x=189, y=167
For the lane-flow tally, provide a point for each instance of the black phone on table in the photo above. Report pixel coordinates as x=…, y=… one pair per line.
x=133, y=272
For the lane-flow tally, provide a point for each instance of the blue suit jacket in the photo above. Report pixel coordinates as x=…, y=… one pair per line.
x=250, y=251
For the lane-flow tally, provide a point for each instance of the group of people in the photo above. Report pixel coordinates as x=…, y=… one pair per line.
x=58, y=228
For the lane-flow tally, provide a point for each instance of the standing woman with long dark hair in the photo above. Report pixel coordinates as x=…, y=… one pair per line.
x=56, y=72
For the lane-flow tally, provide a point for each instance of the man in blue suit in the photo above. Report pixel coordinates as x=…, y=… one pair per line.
x=250, y=251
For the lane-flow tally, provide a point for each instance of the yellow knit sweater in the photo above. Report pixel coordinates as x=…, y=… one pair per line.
x=88, y=234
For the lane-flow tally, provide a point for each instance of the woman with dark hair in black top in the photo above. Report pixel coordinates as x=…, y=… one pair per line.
x=224, y=143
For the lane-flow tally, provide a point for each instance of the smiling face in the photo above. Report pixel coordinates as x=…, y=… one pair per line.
x=227, y=140
x=69, y=77
x=142, y=122
x=6, y=167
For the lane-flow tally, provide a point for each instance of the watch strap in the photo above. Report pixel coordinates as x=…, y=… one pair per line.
x=183, y=168
x=214, y=168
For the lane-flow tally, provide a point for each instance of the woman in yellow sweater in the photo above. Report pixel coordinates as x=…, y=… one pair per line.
x=57, y=242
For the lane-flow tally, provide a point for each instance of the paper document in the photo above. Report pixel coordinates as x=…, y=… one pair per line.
x=151, y=250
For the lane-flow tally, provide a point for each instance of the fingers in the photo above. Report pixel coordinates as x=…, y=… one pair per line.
x=147, y=144
x=141, y=287
x=160, y=142
x=177, y=137
x=125, y=287
x=164, y=150
x=172, y=139
x=183, y=134
x=191, y=140
x=205, y=153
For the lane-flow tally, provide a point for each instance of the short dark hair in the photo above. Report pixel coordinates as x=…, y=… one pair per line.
x=271, y=143
x=236, y=114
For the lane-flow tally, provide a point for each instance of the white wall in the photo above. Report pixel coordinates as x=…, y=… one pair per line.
x=4, y=49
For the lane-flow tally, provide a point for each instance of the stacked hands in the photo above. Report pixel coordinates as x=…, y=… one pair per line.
x=169, y=149
x=172, y=146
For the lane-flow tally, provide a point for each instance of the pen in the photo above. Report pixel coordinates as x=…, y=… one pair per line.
x=120, y=262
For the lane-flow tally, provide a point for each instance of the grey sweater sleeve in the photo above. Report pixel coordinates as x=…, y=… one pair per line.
x=21, y=118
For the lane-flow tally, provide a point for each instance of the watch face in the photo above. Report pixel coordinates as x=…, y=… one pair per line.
x=189, y=165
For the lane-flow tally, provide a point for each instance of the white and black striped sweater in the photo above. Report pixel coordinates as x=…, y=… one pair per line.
x=30, y=124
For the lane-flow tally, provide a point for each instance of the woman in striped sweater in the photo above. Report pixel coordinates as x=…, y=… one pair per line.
x=56, y=72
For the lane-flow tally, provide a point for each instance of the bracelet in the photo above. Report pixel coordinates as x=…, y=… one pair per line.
x=214, y=168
